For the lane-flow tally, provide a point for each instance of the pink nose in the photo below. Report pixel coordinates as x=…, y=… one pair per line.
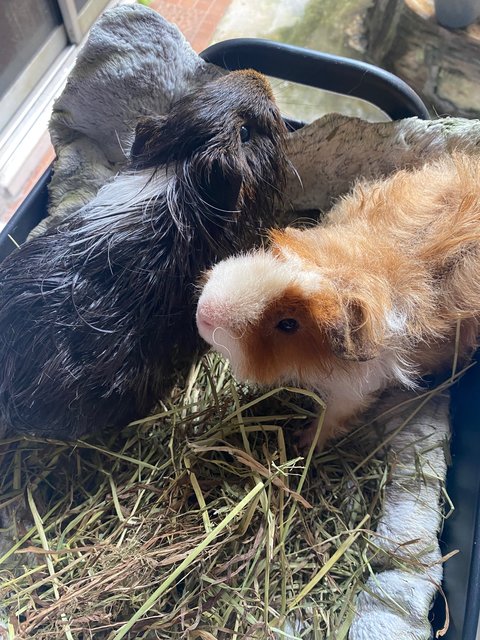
x=206, y=318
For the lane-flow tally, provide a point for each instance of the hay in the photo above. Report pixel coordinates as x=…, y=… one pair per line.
x=199, y=522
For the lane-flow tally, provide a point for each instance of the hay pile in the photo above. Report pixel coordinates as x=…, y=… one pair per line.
x=200, y=522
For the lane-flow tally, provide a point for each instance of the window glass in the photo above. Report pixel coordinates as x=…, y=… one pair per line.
x=25, y=25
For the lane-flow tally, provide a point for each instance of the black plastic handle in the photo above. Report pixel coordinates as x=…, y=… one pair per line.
x=322, y=70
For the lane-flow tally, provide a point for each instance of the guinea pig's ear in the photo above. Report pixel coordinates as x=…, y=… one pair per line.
x=148, y=132
x=352, y=336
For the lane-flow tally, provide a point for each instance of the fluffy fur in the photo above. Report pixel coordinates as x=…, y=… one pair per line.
x=375, y=294
x=97, y=314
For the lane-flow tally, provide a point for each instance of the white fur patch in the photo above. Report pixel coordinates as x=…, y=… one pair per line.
x=396, y=321
x=131, y=190
x=348, y=392
x=239, y=288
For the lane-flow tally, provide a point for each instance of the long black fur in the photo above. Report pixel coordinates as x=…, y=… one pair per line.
x=97, y=314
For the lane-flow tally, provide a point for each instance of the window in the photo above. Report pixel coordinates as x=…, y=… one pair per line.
x=38, y=45
x=33, y=36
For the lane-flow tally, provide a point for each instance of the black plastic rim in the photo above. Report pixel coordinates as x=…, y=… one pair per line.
x=322, y=70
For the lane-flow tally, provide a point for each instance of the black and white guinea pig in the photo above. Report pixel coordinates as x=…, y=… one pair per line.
x=385, y=290
x=98, y=313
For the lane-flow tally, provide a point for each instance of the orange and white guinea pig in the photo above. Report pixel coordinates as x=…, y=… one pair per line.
x=385, y=290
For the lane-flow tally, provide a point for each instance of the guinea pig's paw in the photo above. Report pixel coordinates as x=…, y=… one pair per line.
x=330, y=430
x=304, y=438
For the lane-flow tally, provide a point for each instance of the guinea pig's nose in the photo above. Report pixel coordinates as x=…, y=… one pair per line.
x=206, y=319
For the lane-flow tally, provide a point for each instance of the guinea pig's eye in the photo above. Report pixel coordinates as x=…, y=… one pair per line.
x=288, y=325
x=244, y=133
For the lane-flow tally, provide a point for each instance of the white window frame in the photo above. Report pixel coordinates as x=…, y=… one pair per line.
x=26, y=107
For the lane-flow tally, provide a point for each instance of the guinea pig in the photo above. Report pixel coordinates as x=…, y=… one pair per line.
x=98, y=313
x=384, y=291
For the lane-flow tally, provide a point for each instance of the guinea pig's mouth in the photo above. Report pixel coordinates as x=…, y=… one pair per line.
x=222, y=340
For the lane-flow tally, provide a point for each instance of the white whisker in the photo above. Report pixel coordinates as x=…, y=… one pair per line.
x=219, y=344
x=295, y=172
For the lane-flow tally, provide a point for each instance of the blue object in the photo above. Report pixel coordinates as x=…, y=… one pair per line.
x=457, y=14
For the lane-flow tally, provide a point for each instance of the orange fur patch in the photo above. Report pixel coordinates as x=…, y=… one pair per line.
x=290, y=240
x=271, y=352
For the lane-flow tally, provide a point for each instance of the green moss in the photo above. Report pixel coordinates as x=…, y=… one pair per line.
x=323, y=26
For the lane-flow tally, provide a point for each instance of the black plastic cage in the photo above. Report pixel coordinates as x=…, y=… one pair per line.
x=393, y=96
